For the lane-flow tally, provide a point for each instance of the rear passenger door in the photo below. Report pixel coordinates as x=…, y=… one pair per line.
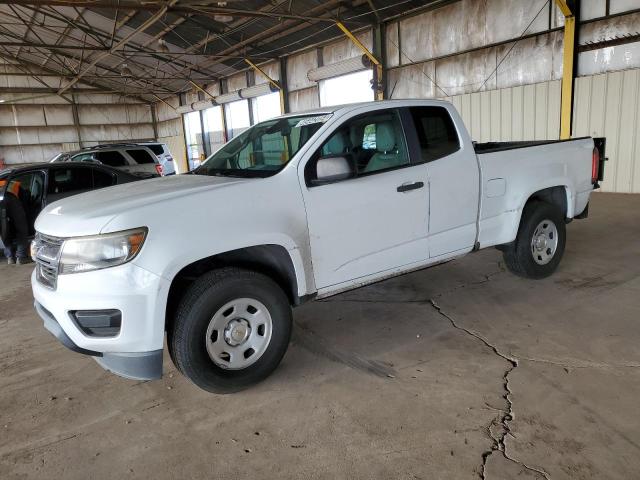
x=453, y=180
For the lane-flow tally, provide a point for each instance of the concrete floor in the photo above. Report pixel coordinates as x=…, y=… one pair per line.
x=459, y=371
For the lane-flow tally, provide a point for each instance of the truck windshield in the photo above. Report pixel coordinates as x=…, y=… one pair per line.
x=264, y=149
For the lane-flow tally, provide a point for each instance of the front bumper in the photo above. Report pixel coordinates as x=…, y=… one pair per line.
x=136, y=351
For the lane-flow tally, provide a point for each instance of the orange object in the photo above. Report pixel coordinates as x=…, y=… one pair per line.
x=14, y=187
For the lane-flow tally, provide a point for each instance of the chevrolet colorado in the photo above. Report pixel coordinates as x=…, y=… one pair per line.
x=299, y=207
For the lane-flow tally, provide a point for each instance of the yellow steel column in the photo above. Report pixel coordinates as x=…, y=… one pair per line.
x=567, y=69
x=379, y=92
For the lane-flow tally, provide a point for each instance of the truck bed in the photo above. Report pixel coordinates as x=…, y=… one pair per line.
x=489, y=147
x=513, y=171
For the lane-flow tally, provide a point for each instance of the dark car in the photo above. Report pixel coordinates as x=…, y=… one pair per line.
x=40, y=185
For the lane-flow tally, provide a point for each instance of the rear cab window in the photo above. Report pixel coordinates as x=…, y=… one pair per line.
x=436, y=132
x=140, y=156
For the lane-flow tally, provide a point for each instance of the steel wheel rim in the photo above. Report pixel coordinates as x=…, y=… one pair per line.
x=239, y=333
x=544, y=242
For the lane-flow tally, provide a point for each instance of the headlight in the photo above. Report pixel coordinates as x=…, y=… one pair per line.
x=101, y=251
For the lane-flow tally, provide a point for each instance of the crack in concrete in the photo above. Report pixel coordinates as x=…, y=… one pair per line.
x=504, y=416
x=584, y=364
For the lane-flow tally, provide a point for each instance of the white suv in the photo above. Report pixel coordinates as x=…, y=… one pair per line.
x=164, y=155
x=132, y=158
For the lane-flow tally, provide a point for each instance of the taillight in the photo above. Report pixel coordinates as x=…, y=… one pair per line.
x=595, y=165
x=159, y=169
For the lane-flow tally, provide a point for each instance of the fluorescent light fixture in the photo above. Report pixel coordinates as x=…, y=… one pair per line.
x=258, y=90
x=338, y=69
x=184, y=109
x=228, y=97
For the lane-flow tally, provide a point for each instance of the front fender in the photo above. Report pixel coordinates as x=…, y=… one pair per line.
x=303, y=275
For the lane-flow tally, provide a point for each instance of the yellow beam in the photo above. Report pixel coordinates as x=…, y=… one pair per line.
x=259, y=70
x=564, y=8
x=358, y=43
x=270, y=80
x=567, y=77
x=567, y=69
x=166, y=103
x=198, y=87
x=377, y=64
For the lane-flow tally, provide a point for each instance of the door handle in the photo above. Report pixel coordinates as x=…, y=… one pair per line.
x=405, y=187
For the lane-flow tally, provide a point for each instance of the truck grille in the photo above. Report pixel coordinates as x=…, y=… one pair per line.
x=47, y=257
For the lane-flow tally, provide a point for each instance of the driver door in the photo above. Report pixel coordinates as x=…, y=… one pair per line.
x=375, y=222
x=29, y=188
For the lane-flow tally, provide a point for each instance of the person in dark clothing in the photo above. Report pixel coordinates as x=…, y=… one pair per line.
x=14, y=229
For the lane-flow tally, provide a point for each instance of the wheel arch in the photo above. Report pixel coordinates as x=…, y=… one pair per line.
x=558, y=195
x=271, y=260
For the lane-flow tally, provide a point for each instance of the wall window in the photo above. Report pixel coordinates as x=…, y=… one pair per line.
x=266, y=107
x=213, y=129
x=237, y=117
x=351, y=88
x=193, y=137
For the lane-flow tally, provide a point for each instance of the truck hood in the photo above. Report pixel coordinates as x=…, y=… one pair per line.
x=88, y=213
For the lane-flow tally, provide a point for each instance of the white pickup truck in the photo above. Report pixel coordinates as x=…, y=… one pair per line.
x=299, y=207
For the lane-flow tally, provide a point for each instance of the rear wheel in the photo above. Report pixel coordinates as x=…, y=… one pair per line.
x=540, y=242
x=231, y=330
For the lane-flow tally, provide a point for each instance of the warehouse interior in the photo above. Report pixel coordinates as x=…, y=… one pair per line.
x=457, y=371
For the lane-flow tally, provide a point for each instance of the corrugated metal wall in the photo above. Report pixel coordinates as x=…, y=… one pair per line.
x=36, y=131
x=605, y=105
x=529, y=112
x=608, y=105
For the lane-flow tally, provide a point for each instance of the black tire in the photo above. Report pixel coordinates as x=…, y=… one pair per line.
x=206, y=296
x=519, y=255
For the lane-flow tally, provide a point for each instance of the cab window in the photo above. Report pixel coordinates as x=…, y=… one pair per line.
x=372, y=143
x=436, y=132
x=68, y=180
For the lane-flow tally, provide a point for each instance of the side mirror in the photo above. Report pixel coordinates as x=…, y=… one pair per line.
x=332, y=169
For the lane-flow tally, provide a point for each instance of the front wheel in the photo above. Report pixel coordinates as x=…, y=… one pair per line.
x=540, y=242
x=231, y=330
